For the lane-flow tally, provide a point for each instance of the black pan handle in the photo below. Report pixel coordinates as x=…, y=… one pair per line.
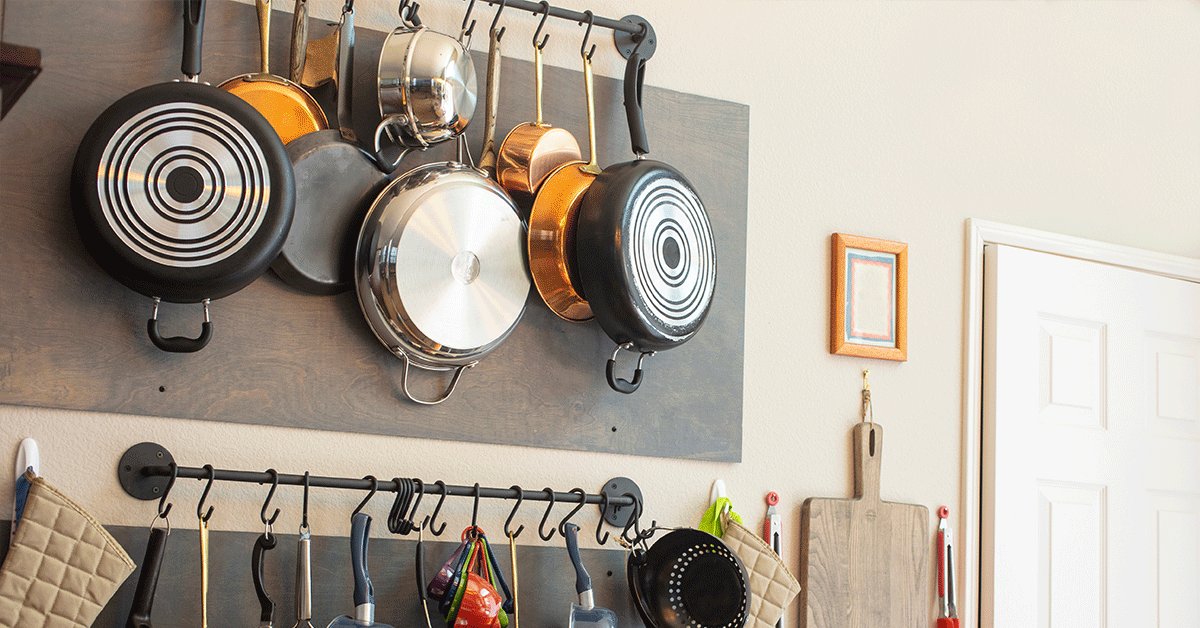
x=193, y=36
x=143, y=596
x=261, y=546
x=635, y=76
x=179, y=344
x=623, y=385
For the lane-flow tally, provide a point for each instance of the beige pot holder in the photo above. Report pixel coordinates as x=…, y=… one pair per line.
x=62, y=567
x=772, y=586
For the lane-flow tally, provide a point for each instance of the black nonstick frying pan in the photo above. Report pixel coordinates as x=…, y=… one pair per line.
x=645, y=253
x=183, y=192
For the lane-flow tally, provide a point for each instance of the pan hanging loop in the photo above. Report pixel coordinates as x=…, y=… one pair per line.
x=449, y=389
x=622, y=385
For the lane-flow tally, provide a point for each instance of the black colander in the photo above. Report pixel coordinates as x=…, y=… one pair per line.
x=689, y=579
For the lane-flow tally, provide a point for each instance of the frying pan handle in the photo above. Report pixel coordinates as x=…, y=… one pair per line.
x=364, y=591
x=179, y=344
x=299, y=41
x=261, y=546
x=635, y=76
x=143, y=596
x=449, y=389
x=193, y=36
x=622, y=385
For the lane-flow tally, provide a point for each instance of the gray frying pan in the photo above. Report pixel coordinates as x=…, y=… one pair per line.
x=336, y=181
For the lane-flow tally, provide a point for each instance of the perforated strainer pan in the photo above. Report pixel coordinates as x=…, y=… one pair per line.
x=689, y=579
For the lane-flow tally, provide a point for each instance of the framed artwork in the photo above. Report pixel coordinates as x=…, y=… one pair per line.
x=869, y=314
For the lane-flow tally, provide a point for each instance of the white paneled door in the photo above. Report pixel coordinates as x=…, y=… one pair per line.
x=1091, y=454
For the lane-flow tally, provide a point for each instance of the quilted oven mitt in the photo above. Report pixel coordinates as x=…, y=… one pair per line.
x=62, y=567
x=772, y=586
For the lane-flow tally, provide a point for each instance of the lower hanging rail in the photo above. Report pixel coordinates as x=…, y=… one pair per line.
x=146, y=470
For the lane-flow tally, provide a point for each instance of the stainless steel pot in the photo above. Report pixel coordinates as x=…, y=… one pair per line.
x=427, y=89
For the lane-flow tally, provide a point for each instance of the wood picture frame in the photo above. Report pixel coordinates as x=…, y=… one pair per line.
x=869, y=305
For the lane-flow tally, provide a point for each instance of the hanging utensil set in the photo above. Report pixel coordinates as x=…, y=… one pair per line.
x=471, y=589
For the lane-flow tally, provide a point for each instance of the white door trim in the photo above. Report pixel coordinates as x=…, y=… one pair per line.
x=980, y=232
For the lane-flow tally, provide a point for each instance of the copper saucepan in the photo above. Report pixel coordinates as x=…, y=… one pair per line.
x=289, y=109
x=533, y=150
x=551, y=241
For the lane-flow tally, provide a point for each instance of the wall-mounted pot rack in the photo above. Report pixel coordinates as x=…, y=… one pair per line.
x=627, y=31
x=147, y=470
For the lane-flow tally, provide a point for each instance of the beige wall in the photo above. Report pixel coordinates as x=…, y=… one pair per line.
x=896, y=120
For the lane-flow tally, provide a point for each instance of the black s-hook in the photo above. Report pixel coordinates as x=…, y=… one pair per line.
x=374, y=487
x=520, y=498
x=538, y=32
x=163, y=507
x=475, y=512
x=562, y=525
x=436, y=509
x=496, y=20
x=600, y=522
x=212, y=475
x=542, y=526
x=267, y=504
x=466, y=31
x=587, y=56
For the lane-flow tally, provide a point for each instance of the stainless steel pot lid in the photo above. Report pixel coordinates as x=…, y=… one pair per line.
x=440, y=265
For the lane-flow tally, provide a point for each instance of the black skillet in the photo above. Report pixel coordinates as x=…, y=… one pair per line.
x=182, y=191
x=644, y=248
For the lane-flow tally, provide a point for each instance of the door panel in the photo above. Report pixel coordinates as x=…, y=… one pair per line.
x=1091, y=449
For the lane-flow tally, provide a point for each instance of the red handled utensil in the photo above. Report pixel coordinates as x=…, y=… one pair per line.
x=947, y=611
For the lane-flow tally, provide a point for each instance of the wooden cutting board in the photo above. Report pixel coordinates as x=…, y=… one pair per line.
x=864, y=563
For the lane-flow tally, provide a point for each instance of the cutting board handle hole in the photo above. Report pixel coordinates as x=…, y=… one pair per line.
x=871, y=445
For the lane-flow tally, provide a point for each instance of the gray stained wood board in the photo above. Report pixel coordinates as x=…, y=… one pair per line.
x=72, y=337
x=546, y=579
x=864, y=562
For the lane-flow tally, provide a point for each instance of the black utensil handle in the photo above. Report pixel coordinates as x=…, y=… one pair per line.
x=263, y=544
x=143, y=596
x=583, y=582
x=179, y=344
x=193, y=36
x=622, y=385
x=360, y=530
x=635, y=76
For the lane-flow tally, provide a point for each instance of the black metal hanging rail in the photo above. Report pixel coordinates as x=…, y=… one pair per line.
x=627, y=31
x=146, y=469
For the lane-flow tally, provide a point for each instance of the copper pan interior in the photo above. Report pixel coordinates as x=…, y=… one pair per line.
x=551, y=240
x=291, y=111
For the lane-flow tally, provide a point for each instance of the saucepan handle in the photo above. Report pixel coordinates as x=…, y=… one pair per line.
x=635, y=76
x=392, y=126
x=179, y=344
x=428, y=402
x=143, y=596
x=622, y=385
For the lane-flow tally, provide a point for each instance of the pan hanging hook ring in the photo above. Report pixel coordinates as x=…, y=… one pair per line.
x=374, y=488
x=583, y=50
x=496, y=20
x=600, y=521
x=203, y=516
x=542, y=527
x=267, y=504
x=520, y=498
x=562, y=525
x=437, y=509
x=538, y=32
